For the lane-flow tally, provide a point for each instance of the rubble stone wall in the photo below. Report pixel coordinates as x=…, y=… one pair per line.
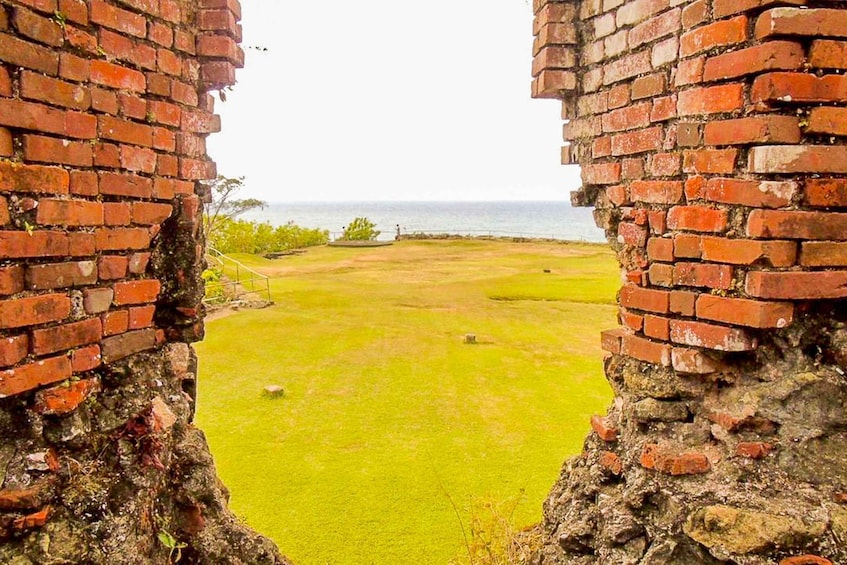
x=104, y=113
x=711, y=140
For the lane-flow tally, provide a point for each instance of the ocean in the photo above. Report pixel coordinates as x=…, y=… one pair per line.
x=553, y=220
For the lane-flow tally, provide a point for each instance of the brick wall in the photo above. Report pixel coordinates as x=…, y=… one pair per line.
x=710, y=135
x=104, y=114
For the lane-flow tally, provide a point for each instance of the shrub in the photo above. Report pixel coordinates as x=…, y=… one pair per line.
x=360, y=229
x=241, y=236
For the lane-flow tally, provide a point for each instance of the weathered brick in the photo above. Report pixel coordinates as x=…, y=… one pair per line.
x=693, y=362
x=713, y=161
x=749, y=252
x=697, y=218
x=59, y=151
x=823, y=254
x=710, y=336
x=828, y=54
x=826, y=192
x=742, y=312
x=61, y=275
x=97, y=300
x=56, y=212
x=33, y=375
x=61, y=400
x=13, y=350
x=115, y=184
x=770, y=56
x=702, y=275
x=136, y=292
x=758, y=194
x=710, y=100
x=798, y=88
x=673, y=462
x=796, y=285
x=646, y=350
x=632, y=296
x=68, y=336
x=827, y=121
x=753, y=130
x=718, y=34
x=610, y=340
x=118, y=19
x=603, y=428
x=36, y=86
x=21, y=53
x=795, y=224
x=802, y=22
x=117, y=347
x=121, y=239
x=641, y=141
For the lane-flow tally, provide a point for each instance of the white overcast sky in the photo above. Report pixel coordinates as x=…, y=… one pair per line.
x=390, y=100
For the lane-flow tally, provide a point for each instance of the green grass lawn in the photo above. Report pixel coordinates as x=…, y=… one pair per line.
x=388, y=418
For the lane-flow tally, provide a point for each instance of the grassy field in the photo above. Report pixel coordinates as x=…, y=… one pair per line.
x=391, y=424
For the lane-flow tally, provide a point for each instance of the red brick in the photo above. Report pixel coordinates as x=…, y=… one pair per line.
x=770, y=56
x=657, y=219
x=798, y=159
x=742, y=312
x=115, y=18
x=69, y=212
x=663, y=109
x=632, y=296
x=183, y=93
x=36, y=86
x=669, y=461
x=702, y=275
x=828, y=54
x=632, y=234
x=26, y=498
x=196, y=169
x=828, y=121
x=112, y=267
x=682, y=302
x=167, y=165
x=138, y=263
x=692, y=362
x=629, y=117
x=805, y=560
x=603, y=429
x=20, y=53
x=122, y=239
x=117, y=213
x=826, y=192
x=123, y=48
x=648, y=86
x=132, y=106
x=125, y=131
x=723, y=8
x=115, y=322
x=610, y=340
x=631, y=168
x=81, y=244
x=114, y=184
x=38, y=28
x=802, y=22
x=656, y=192
x=85, y=359
x=611, y=462
x=798, y=88
x=107, y=155
x=160, y=34
x=68, y=336
x=646, y=350
x=169, y=62
x=19, y=244
x=660, y=275
x=640, y=141
x=61, y=400
x=753, y=130
x=61, y=275
x=710, y=100
x=217, y=20
x=753, y=449
x=749, y=252
x=46, y=6
x=686, y=246
x=660, y=249
x=21, y=312
x=715, y=161
x=120, y=346
x=34, y=520
x=150, y=213
x=15, y=177
x=797, y=225
x=656, y=327
x=140, y=159
x=33, y=375
x=7, y=148
x=823, y=254
x=709, y=336
x=690, y=71
x=13, y=349
x=11, y=279
x=718, y=34
x=759, y=194
x=136, y=292
x=796, y=285
x=117, y=76
x=603, y=174
x=74, y=68
x=60, y=151
x=74, y=11
x=697, y=218
x=141, y=317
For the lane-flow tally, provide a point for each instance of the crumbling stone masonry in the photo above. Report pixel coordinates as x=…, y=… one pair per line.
x=104, y=113
x=711, y=136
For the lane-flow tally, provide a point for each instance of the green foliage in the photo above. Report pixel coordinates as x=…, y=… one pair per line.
x=170, y=542
x=386, y=408
x=225, y=206
x=240, y=236
x=360, y=229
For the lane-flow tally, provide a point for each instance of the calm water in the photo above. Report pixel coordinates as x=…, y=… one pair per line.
x=556, y=220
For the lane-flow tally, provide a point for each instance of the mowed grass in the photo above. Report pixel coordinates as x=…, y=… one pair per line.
x=390, y=424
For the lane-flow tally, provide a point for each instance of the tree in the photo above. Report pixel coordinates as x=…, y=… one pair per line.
x=224, y=205
x=360, y=229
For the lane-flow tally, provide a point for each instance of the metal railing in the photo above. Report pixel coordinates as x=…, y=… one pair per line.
x=240, y=281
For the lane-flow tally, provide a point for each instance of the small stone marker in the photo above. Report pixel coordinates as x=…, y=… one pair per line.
x=470, y=338
x=274, y=391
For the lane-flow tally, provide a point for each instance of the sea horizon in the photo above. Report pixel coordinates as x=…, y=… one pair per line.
x=538, y=219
